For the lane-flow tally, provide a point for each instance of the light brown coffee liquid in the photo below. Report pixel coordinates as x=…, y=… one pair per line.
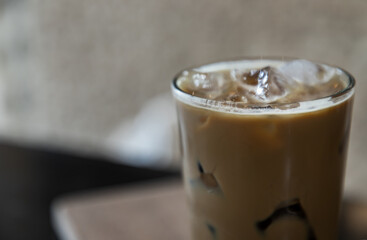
x=239, y=170
x=264, y=176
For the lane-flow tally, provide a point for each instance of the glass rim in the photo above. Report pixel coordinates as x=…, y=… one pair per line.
x=263, y=108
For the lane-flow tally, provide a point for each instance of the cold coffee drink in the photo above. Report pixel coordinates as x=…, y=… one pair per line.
x=264, y=146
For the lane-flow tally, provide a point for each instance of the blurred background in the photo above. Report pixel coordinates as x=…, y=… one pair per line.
x=84, y=86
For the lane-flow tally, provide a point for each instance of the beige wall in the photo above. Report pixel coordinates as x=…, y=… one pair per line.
x=72, y=70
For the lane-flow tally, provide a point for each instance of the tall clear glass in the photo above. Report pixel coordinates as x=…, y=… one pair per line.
x=266, y=171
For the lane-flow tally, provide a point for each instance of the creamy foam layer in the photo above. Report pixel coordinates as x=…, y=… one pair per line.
x=264, y=86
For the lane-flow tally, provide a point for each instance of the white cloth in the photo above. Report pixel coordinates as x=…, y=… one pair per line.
x=150, y=138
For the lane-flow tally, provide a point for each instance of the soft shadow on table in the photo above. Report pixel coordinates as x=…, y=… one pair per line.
x=31, y=178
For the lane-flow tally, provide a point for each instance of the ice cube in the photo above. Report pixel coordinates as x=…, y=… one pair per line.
x=202, y=81
x=208, y=179
x=207, y=85
x=264, y=85
x=306, y=72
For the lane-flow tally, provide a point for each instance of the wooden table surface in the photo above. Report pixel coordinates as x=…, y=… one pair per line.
x=150, y=211
x=153, y=210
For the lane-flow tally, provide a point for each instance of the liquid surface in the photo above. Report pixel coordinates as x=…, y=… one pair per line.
x=265, y=82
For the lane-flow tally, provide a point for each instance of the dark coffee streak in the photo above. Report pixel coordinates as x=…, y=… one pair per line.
x=200, y=167
x=212, y=230
x=290, y=208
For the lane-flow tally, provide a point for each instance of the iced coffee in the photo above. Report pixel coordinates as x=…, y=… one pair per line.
x=264, y=146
